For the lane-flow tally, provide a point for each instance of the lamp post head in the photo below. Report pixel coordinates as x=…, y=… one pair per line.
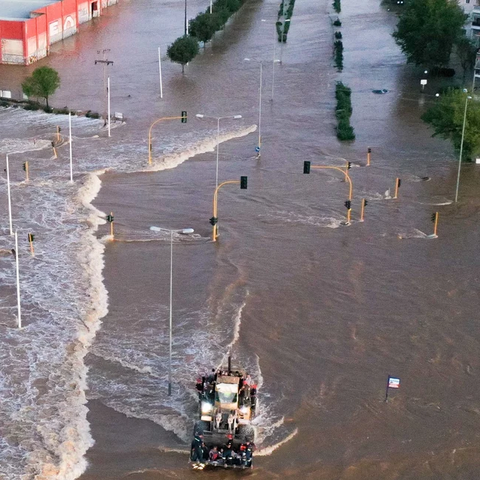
x=236, y=117
x=199, y=115
x=187, y=231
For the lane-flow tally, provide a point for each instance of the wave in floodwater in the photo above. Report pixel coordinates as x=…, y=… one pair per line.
x=43, y=376
x=314, y=220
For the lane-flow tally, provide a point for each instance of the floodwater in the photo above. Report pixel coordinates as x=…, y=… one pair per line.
x=319, y=312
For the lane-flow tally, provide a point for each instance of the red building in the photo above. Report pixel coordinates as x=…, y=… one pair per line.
x=29, y=27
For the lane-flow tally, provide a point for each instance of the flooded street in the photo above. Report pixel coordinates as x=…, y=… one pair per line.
x=318, y=312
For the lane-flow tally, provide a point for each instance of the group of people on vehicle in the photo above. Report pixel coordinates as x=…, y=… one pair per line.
x=226, y=455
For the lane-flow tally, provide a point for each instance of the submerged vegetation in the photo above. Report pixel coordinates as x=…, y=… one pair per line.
x=343, y=112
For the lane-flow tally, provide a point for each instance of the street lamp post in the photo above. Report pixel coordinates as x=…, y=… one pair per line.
x=461, y=145
x=184, y=231
x=259, y=146
x=186, y=23
x=234, y=117
x=105, y=63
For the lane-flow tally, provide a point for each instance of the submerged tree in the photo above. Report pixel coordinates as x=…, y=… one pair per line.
x=428, y=29
x=183, y=50
x=446, y=118
x=466, y=53
x=43, y=83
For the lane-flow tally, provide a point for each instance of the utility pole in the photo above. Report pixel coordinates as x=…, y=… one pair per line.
x=105, y=62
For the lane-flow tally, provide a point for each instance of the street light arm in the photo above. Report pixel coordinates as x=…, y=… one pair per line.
x=150, y=135
x=347, y=176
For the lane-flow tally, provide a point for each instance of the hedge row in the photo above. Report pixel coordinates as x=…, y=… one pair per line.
x=343, y=112
x=338, y=54
x=283, y=27
x=336, y=6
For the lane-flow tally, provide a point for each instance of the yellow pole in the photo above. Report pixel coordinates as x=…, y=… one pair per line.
x=397, y=184
x=111, y=227
x=363, y=210
x=26, y=171
x=369, y=151
x=30, y=240
x=150, y=135
x=58, y=134
x=347, y=176
x=215, y=206
x=55, y=153
x=435, y=224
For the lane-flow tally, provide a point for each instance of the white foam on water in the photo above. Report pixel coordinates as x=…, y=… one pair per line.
x=263, y=452
x=208, y=144
x=43, y=377
x=294, y=217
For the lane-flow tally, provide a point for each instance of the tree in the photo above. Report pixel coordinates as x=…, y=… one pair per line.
x=428, y=29
x=183, y=50
x=43, y=82
x=466, y=52
x=446, y=118
x=203, y=27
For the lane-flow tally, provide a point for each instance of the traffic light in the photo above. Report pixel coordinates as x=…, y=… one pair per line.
x=243, y=183
x=24, y=167
x=399, y=182
x=184, y=116
x=213, y=220
x=349, y=165
x=365, y=202
x=110, y=218
x=434, y=216
x=31, y=237
x=306, y=166
x=348, y=204
x=369, y=150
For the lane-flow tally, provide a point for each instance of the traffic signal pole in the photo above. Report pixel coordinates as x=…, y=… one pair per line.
x=150, y=133
x=214, y=219
x=350, y=191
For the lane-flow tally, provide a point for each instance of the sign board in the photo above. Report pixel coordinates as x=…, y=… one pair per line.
x=423, y=82
x=393, y=382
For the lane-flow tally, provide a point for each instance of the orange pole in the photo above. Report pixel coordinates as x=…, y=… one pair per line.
x=435, y=224
x=111, y=227
x=26, y=171
x=150, y=135
x=369, y=151
x=363, y=210
x=397, y=184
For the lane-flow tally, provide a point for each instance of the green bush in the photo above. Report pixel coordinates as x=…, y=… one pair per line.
x=32, y=106
x=338, y=35
x=345, y=132
x=47, y=109
x=338, y=53
x=343, y=112
x=337, y=23
x=203, y=27
x=61, y=111
x=336, y=5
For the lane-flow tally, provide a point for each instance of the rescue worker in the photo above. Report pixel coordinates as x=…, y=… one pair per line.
x=249, y=449
x=197, y=449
